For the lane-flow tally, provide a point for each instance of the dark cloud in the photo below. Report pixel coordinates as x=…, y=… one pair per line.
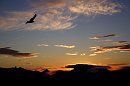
x=105, y=36
x=121, y=64
x=75, y=66
x=88, y=68
x=15, y=53
x=121, y=46
x=101, y=49
x=113, y=42
x=121, y=42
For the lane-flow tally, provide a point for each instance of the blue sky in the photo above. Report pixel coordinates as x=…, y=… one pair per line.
x=64, y=32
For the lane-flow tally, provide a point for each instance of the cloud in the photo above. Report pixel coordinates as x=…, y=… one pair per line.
x=15, y=53
x=121, y=46
x=53, y=19
x=95, y=7
x=87, y=68
x=65, y=46
x=72, y=54
x=110, y=41
x=105, y=41
x=94, y=48
x=14, y=20
x=101, y=49
x=94, y=37
x=42, y=4
x=118, y=66
x=42, y=45
x=98, y=68
x=75, y=54
x=105, y=36
x=89, y=7
x=82, y=54
x=121, y=42
x=56, y=14
x=94, y=54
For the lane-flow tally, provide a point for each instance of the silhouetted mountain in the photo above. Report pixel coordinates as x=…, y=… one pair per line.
x=82, y=73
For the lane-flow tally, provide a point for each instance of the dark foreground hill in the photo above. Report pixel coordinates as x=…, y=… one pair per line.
x=82, y=73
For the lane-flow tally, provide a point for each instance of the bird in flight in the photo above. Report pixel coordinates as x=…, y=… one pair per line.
x=32, y=19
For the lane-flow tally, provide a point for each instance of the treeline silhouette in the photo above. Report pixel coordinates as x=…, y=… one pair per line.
x=81, y=73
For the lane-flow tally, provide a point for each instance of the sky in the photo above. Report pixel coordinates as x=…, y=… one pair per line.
x=64, y=32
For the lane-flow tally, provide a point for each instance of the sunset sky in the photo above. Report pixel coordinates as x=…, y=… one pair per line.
x=64, y=32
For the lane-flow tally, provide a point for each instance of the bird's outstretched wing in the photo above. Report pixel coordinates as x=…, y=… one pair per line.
x=33, y=17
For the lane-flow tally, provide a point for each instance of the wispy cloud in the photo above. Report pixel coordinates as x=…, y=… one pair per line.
x=105, y=41
x=95, y=7
x=111, y=41
x=121, y=42
x=14, y=20
x=105, y=36
x=72, y=54
x=41, y=4
x=75, y=54
x=65, y=46
x=53, y=19
x=93, y=54
x=56, y=14
x=46, y=45
x=105, y=49
x=15, y=53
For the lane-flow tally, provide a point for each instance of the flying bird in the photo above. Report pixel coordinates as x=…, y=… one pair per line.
x=32, y=19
